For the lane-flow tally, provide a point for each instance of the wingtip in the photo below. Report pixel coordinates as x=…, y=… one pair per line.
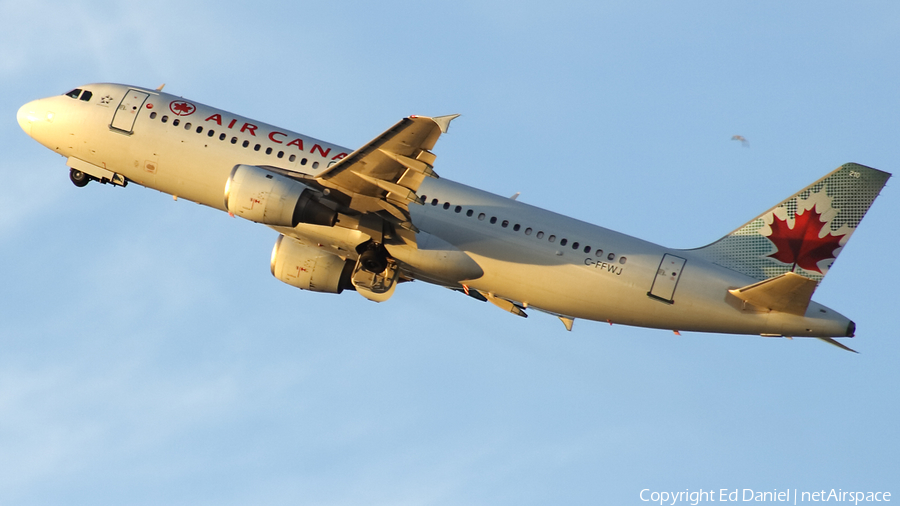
x=444, y=121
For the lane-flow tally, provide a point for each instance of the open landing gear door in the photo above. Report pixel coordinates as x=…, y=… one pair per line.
x=375, y=287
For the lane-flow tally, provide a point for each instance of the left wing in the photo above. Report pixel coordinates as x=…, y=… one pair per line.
x=384, y=175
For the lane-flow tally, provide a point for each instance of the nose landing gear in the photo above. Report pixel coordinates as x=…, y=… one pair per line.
x=78, y=178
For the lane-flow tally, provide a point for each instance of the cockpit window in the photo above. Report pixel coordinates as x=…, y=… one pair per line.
x=74, y=93
x=86, y=95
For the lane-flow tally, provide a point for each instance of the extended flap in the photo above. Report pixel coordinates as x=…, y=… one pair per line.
x=788, y=293
x=402, y=148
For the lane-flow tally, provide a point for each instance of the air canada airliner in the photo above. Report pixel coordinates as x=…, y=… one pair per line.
x=373, y=218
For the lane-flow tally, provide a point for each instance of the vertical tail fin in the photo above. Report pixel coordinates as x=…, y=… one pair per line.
x=805, y=233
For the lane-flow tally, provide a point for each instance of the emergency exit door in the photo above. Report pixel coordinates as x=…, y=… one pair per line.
x=128, y=110
x=666, y=279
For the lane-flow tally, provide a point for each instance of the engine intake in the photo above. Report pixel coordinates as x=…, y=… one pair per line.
x=259, y=195
x=310, y=268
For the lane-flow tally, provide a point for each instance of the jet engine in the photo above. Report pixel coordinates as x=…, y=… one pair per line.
x=265, y=197
x=310, y=268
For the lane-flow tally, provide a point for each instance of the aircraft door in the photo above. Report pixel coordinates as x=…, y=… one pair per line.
x=126, y=113
x=666, y=279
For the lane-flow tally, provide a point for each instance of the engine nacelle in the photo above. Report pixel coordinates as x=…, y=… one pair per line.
x=310, y=268
x=263, y=196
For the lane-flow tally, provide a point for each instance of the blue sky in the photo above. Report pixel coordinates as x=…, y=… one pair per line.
x=148, y=357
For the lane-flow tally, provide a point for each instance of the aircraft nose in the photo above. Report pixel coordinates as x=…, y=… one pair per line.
x=31, y=113
x=23, y=117
x=34, y=113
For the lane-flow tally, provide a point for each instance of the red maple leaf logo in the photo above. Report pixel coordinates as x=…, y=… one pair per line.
x=802, y=245
x=182, y=108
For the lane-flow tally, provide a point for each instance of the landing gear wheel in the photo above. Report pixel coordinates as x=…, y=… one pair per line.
x=373, y=260
x=78, y=178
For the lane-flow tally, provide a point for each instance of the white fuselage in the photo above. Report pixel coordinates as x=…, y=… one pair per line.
x=468, y=238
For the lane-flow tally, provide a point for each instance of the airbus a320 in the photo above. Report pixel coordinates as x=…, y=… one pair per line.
x=373, y=218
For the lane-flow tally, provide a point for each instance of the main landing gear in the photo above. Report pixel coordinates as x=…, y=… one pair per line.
x=375, y=276
x=374, y=259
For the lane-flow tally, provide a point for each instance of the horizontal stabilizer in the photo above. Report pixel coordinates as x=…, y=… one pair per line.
x=788, y=293
x=839, y=345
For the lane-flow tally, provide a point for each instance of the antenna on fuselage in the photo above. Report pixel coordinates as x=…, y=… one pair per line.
x=161, y=86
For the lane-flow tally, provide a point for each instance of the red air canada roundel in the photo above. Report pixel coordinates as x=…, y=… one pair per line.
x=182, y=108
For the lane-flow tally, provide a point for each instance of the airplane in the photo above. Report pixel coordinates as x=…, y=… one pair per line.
x=373, y=218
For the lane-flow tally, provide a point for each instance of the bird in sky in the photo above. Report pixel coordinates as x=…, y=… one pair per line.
x=742, y=139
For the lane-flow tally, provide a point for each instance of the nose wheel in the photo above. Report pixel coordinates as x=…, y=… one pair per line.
x=79, y=178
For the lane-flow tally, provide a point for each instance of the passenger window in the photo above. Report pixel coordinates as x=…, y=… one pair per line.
x=315, y=165
x=528, y=231
x=302, y=162
x=587, y=249
x=434, y=202
x=74, y=93
x=199, y=129
x=446, y=205
x=599, y=253
x=164, y=119
x=552, y=238
x=481, y=216
x=256, y=148
x=563, y=242
x=222, y=137
x=234, y=140
x=281, y=154
x=187, y=126
x=268, y=151
x=505, y=223
x=575, y=245
x=493, y=220
x=292, y=158
x=457, y=209
x=175, y=122
x=470, y=212
x=611, y=257
x=622, y=260
x=540, y=235
x=210, y=133
x=245, y=144
x=153, y=115
x=516, y=227
x=86, y=96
